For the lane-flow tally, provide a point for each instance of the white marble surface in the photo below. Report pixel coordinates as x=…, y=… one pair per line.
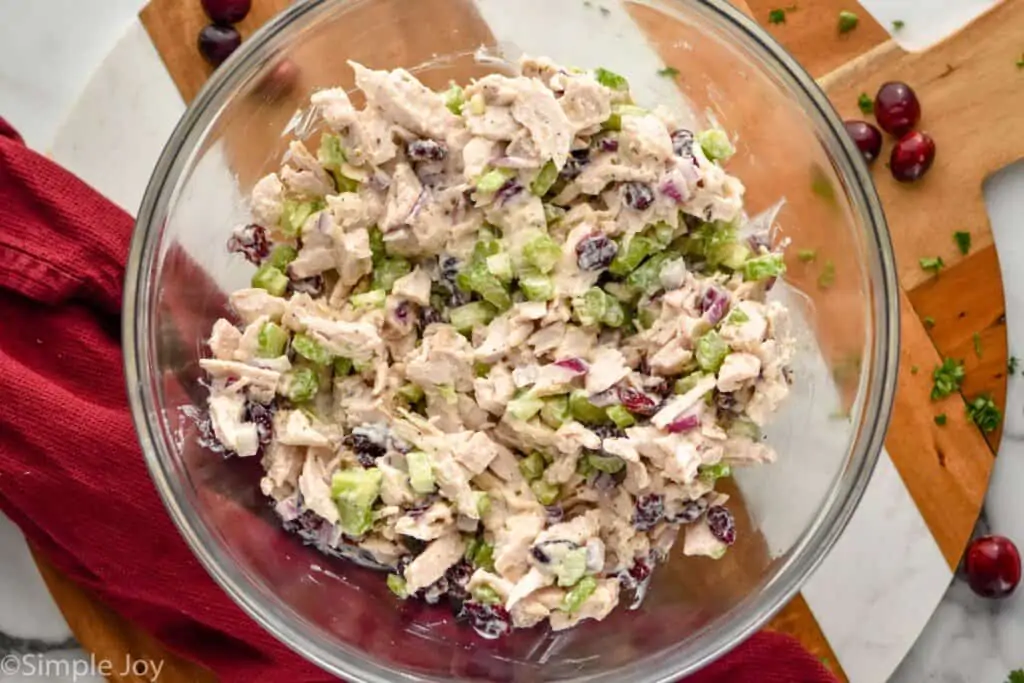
x=872, y=595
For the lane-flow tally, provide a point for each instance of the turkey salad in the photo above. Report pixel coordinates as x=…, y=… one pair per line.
x=502, y=340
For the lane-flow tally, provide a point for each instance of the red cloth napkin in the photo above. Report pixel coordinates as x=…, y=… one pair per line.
x=71, y=473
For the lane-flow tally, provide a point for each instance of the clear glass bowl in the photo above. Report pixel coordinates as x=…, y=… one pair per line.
x=791, y=145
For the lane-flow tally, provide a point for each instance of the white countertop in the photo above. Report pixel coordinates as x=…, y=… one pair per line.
x=871, y=623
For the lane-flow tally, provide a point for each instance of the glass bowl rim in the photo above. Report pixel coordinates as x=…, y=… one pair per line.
x=815, y=541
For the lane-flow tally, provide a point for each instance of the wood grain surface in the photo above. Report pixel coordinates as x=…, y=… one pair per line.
x=946, y=469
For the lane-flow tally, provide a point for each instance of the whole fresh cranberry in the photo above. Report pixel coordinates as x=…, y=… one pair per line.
x=867, y=138
x=216, y=43
x=896, y=108
x=226, y=11
x=992, y=564
x=912, y=156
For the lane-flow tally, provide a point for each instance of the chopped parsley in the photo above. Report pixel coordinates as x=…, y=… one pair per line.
x=847, y=21
x=977, y=344
x=947, y=378
x=777, y=16
x=866, y=104
x=929, y=321
x=807, y=255
x=933, y=264
x=827, y=278
x=1011, y=365
x=668, y=72
x=1016, y=676
x=963, y=241
x=898, y=25
x=940, y=419
x=983, y=412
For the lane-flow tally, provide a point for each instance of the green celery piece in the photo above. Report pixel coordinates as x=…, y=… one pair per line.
x=647, y=278
x=745, y=428
x=375, y=298
x=483, y=558
x=282, y=255
x=342, y=367
x=583, y=410
x=545, y=179
x=543, y=253
x=493, y=180
x=662, y=233
x=711, y=473
x=311, y=350
x=646, y=317
x=412, y=393
x=421, y=474
x=610, y=79
x=553, y=214
x=614, y=122
x=397, y=585
x=711, y=352
x=465, y=318
x=271, y=279
x=377, y=248
x=524, y=407
x=294, y=215
x=590, y=308
x=715, y=144
x=555, y=412
x=481, y=369
x=532, y=466
x=614, y=314
x=486, y=595
x=620, y=416
x=606, y=463
x=454, y=98
x=630, y=255
x=736, y=316
x=546, y=492
x=500, y=266
x=330, y=155
x=686, y=384
x=572, y=568
x=483, y=503
x=579, y=594
x=477, y=278
x=477, y=104
x=388, y=270
x=301, y=385
x=354, y=492
x=271, y=341
x=764, y=267
x=536, y=287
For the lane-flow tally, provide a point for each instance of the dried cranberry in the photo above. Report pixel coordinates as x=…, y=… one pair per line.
x=226, y=11
x=510, y=189
x=637, y=196
x=206, y=437
x=314, y=286
x=306, y=526
x=691, y=511
x=912, y=156
x=426, y=150
x=992, y=564
x=216, y=43
x=251, y=242
x=459, y=573
x=682, y=143
x=607, y=430
x=897, y=108
x=637, y=401
x=489, y=621
x=648, y=511
x=263, y=417
x=367, y=449
x=577, y=365
x=540, y=555
x=640, y=570
x=574, y=165
x=609, y=144
x=722, y=524
x=867, y=138
x=595, y=252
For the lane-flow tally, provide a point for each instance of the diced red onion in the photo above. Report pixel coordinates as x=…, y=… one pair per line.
x=683, y=424
x=577, y=365
x=714, y=304
x=510, y=189
x=674, y=186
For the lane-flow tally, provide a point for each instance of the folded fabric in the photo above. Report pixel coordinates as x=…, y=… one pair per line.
x=71, y=472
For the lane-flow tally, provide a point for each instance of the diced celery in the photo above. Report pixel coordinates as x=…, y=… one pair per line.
x=584, y=468
x=647, y=316
x=342, y=367
x=397, y=585
x=481, y=369
x=524, y=407
x=271, y=279
x=553, y=214
x=373, y=299
x=447, y=392
x=555, y=412
x=311, y=350
x=500, y=266
x=421, y=474
x=454, y=98
x=493, y=180
x=630, y=255
x=483, y=558
x=572, y=567
x=271, y=341
x=545, y=179
x=543, y=253
x=483, y=503
x=591, y=307
x=647, y=278
x=344, y=183
x=487, y=244
x=732, y=256
x=486, y=595
x=487, y=286
x=579, y=594
x=710, y=473
x=388, y=270
x=282, y=255
x=620, y=416
x=471, y=547
x=663, y=233
x=362, y=366
x=610, y=79
x=764, y=267
x=583, y=410
x=294, y=215
x=354, y=492
x=686, y=384
x=377, y=245
x=711, y=352
x=411, y=392
x=715, y=144
x=614, y=313
x=605, y=462
x=614, y=121
x=331, y=155
x=465, y=318
x=736, y=316
x=300, y=384
x=546, y=492
x=532, y=466
x=621, y=291
x=746, y=428
x=536, y=287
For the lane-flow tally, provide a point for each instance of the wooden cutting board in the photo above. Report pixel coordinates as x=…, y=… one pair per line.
x=946, y=469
